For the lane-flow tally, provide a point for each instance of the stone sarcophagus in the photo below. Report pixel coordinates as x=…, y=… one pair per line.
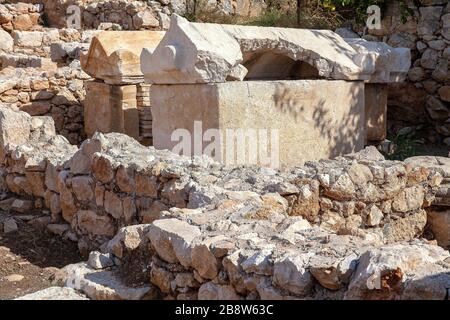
x=284, y=96
x=118, y=100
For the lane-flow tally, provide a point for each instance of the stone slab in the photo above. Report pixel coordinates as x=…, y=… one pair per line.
x=439, y=224
x=376, y=111
x=54, y=293
x=111, y=108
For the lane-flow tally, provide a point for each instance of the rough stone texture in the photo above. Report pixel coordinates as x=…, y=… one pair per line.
x=136, y=14
x=258, y=262
x=171, y=238
x=98, y=260
x=101, y=284
x=21, y=16
x=420, y=103
x=39, y=94
x=440, y=165
x=15, y=128
x=376, y=98
x=9, y=226
x=317, y=231
x=54, y=293
x=331, y=123
x=6, y=41
x=232, y=233
x=439, y=224
x=391, y=64
x=113, y=181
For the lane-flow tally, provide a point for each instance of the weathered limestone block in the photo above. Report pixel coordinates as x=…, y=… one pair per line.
x=111, y=108
x=439, y=224
x=61, y=51
x=15, y=128
x=6, y=41
x=208, y=53
x=91, y=223
x=382, y=273
x=391, y=64
x=405, y=229
x=429, y=20
x=101, y=284
x=172, y=238
x=28, y=38
x=440, y=169
x=99, y=260
x=83, y=188
x=54, y=293
x=114, y=56
x=127, y=239
x=212, y=291
x=309, y=125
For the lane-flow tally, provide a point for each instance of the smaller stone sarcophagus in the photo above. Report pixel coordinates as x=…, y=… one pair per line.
x=118, y=100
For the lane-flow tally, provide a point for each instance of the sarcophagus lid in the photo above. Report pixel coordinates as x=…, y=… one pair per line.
x=114, y=56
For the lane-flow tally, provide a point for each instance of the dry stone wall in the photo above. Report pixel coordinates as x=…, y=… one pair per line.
x=112, y=181
x=58, y=94
x=422, y=103
x=136, y=14
x=186, y=259
x=197, y=230
x=21, y=16
x=40, y=71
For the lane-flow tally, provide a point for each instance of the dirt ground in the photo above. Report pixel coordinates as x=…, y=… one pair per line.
x=28, y=259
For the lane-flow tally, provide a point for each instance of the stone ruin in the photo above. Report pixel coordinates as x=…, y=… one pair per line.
x=346, y=228
x=201, y=230
x=332, y=90
x=326, y=95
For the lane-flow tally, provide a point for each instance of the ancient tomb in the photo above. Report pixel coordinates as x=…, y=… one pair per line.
x=302, y=94
x=118, y=99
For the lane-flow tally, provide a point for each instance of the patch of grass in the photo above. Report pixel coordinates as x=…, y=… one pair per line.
x=404, y=147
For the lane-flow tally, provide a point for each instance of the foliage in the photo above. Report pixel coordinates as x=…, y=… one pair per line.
x=279, y=13
x=405, y=146
x=273, y=17
x=314, y=14
x=202, y=11
x=359, y=7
